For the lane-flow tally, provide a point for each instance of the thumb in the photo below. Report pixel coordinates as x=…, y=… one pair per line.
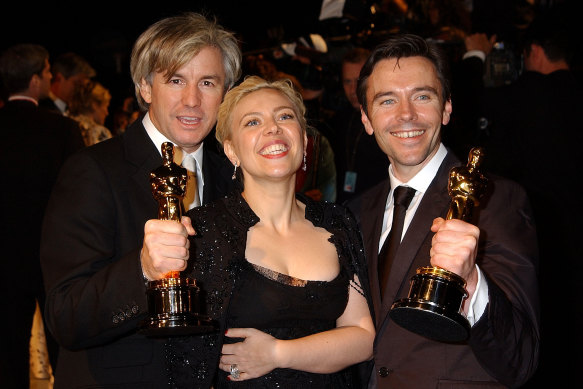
x=187, y=223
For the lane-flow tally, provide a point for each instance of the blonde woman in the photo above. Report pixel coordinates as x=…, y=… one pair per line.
x=284, y=276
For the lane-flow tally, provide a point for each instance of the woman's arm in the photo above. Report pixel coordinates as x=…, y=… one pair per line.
x=330, y=351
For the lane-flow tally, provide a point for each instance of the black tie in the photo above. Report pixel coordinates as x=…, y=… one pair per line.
x=402, y=196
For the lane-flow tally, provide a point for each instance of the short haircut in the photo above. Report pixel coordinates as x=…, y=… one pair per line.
x=19, y=63
x=170, y=43
x=356, y=55
x=404, y=46
x=70, y=64
x=554, y=34
x=253, y=84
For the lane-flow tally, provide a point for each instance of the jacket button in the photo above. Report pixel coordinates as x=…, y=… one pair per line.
x=384, y=372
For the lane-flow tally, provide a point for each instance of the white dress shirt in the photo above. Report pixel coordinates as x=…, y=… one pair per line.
x=158, y=138
x=420, y=182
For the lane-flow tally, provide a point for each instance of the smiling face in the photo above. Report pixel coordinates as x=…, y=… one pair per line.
x=267, y=140
x=184, y=108
x=405, y=112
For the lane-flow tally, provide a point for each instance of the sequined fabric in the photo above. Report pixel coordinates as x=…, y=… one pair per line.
x=219, y=266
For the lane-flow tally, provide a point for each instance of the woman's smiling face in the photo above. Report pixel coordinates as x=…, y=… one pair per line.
x=267, y=139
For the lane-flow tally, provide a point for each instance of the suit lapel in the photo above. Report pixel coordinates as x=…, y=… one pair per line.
x=372, y=210
x=140, y=152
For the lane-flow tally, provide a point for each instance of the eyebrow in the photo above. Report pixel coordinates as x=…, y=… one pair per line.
x=425, y=88
x=276, y=109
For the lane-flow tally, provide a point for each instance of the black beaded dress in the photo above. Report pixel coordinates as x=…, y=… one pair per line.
x=240, y=294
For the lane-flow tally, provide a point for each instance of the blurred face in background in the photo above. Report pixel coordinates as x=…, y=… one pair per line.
x=66, y=88
x=101, y=111
x=45, y=81
x=350, y=73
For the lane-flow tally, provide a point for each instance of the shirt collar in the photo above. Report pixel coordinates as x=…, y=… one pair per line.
x=158, y=138
x=22, y=97
x=421, y=181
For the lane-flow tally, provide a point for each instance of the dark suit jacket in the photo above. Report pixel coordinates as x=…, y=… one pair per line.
x=34, y=144
x=49, y=104
x=503, y=344
x=92, y=236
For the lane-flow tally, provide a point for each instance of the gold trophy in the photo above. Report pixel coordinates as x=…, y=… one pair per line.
x=433, y=306
x=174, y=302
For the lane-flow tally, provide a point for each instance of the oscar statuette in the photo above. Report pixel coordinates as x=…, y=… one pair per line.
x=433, y=306
x=174, y=302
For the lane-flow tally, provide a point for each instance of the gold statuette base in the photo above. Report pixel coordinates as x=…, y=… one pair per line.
x=433, y=305
x=174, y=306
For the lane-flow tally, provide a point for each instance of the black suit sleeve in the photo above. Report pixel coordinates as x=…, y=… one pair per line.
x=90, y=258
x=506, y=338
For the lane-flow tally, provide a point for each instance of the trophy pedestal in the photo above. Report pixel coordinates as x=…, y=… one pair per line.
x=432, y=308
x=174, y=308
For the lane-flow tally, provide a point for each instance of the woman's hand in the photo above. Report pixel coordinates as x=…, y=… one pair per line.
x=254, y=357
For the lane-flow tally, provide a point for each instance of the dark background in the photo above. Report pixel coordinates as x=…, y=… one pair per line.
x=104, y=32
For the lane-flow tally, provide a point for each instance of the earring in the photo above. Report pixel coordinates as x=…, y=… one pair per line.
x=305, y=167
x=234, y=176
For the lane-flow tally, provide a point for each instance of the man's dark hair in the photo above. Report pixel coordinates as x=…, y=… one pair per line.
x=356, y=55
x=404, y=46
x=19, y=63
x=554, y=33
x=70, y=64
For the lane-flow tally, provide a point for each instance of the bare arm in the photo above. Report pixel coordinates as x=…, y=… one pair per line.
x=349, y=343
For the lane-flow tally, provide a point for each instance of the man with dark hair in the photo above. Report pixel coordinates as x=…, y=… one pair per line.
x=405, y=97
x=94, y=256
x=35, y=143
x=70, y=72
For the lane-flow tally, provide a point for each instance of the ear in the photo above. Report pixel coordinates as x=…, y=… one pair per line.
x=447, y=109
x=367, y=125
x=146, y=91
x=230, y=152
x=34, y=82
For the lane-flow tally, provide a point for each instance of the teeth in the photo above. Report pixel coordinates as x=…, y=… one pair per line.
x=408, y=134
x=274, y=149
x=188, y=120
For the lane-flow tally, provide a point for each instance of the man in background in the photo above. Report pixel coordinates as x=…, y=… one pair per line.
x=70, y=72
x=35, y=143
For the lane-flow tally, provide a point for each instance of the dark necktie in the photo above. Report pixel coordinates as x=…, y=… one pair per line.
x=402, y=196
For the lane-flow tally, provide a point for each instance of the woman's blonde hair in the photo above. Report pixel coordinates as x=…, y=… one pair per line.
x=253, y=84
x=86, y=96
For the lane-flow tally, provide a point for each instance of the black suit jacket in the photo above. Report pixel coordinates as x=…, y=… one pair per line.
x=34, y=144
x=92, y=236
x=503, y=345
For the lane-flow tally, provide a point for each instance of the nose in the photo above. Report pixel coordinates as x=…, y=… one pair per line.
x=191, y=96
x=407, y=111
x=272, y=127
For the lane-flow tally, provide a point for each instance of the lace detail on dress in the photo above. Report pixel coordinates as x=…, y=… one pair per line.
x=279, y=277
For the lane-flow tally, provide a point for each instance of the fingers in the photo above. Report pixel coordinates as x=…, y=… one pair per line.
x=236, y=372
x=166, y=248
x=454, y=246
